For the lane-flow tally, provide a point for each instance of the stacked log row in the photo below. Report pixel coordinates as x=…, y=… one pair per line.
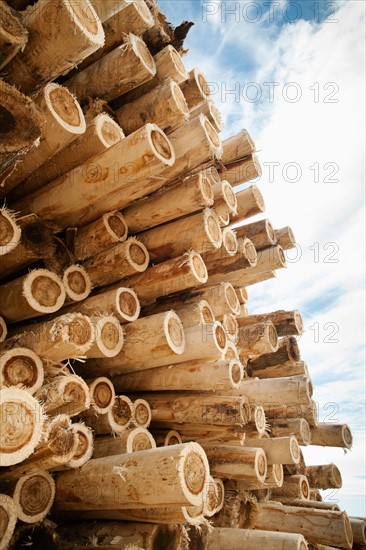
x=139, y=396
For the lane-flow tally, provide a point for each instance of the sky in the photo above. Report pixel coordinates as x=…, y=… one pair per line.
x=292, y=74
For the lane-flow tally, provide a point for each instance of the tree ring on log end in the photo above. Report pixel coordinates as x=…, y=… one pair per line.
x=44, y=291
x=172, y=438
x=231, y=327
x=8, y=519
x=122, y=413
x=212, y=136
x=232, y=298
x=272, y=336
x=305, y=432
x=179, y=98
x=259, y=418
x=77, y=283
x=142, y=52
x=230, y=196
x=80, y=331
x=194, y=470
x=230, y=241
x=250, y=252
x=220, y=337
x=21, y=367
x=84, y=446
x=128, y=305
x=137, y=254
x=277, y=473
x=305, y=489
x=140, y=439
x=34, y=495
x=347, y=436
x=64, y=108
x=142, y=413
x=116, y=225
x=207, y=315
x=85, y=17
x=108, y=130
x=102, y=394
x=261, y=464
x=198, y=267
x=174, y=332
x=295, y=450
x=205, y=189
x=10, y=233
x=213, y=229
x=236, y=372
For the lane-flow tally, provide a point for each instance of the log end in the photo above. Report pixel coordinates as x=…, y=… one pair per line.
x=33, y=496
x=128, y=305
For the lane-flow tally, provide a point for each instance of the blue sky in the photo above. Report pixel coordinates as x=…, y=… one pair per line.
x=294, y=78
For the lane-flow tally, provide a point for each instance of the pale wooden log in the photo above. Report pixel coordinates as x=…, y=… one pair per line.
x=220, y=537
x=287, y=323
x=261, y=233
x=141, y=414
x=242, y=295
x=65, y=337
x=210, y=110
x=358, y=526
x=80, y=197
x=221, y=297
x=164, y=438
x=288, y=368
x=22, y=123
x=36, y=242
x=249, y=203
x=101, y=133
x=231, y=327
x=207, y=341
x=288, y=426
x=237, y=147
x=10, y=232
x=331, y=435
x=317, y=526
x=8, y=520
x=192, y=194
x=115, y=421
x=279, y=450
x=130, y=441
x=195, y=143
x=218, y=375
x=220, y=264
x=285, y=237
x=3, y=330
x=102, y=394
x=122, y=302
x=168, y=277
x=293, y=409
x=21, y=367
x=64, y=395
x=119, y=71
x=237, y=462
x=294, y=487
x=117, y=262
x=241, y=171
x=164, y=105
x=195, y=88
x=33, y=295
x=252, y=279
x=77, y=283
x=257, y=426
x=313, y=504
x=179, y=473
x=191, y=314
x=326, y=476
x=60, y=36
x=64, y=123
x=21, y=420
x=225, y=199
x=229, y=241
x=84, y=447
x=257, y=339
x=108, y=8
x=108, y=341
x=200, y=232
x=213, y=497
x=13, y=34
x=288, y=350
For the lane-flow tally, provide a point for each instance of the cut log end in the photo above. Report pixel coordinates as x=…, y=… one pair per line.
x=140, y=439
x=236, y=372
x=116, y=226
x=249, y=252
x=108, y=130
x=212, y=136
x=174, y=332
x=259, y=419
x=77, y=283
x=102, y=394
x=213, y=229
x=108, y=337
x=44, y=291
x=142, y=52
x=142, y=413
x=10, y=232
x=195, y=472
x=33, y=496
x=21, y=367
x=128, y=305
x=229, y=241
x=87, y=20
x=8, y=519
x=137, y=255
x=121, y=413
x=198, y=267
x=75, y=329
x=3, y=329
x=62, y=439
x=84, y=446
x=64, y=108
x=160, y=144
x=232, y=298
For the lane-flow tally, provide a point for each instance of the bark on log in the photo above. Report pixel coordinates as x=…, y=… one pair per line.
x=237, y=462
x=225, y=538
x=325, y=477
x=261, y=233
x=141, y=414
x=64, y=395
x=195, y=88
x=257, y=339
x=358, y=526
x=102, y=394
x=10, y=233
x=241, y=171
x=249, y=203
x=115, y=421
x=98, y=187
x=331, y=435
x=192, y=194
x=288, y=350
x=13, y=34
x=285, y=238
x=60, y=36
x=21, y=367
x=287, y=323
x=130, y=441
x=8, y=520
x=108, y=341
x=299, y=427
x=21, y=420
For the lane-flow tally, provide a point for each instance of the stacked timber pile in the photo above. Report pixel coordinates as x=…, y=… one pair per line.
x=141, y=404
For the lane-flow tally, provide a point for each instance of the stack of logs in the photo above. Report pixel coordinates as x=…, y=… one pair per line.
x=139, y=398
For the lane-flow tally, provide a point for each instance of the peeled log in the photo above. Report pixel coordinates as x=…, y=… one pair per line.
x=287, y=323
x=61, y=35
x=118, y=72
x=325, y=477
x=237, y=147
x=279, y=450
x=288, y=426
x=249, y=203
x=13, y=34
x=192, y=194
x=98, y=187
x=210, y=110
x=241, y=171
x=261, y=233
x=225, y=198
x=77, y=283
x=331, y=435
x=8, y=519
x=130, y=441
x=115, y=421
x=102, y=394
x=288, y=350
x=285, y=238
x=64, y=123
x=275, y=392
x=257, y=339
x=108, y=341
x=190, y=314
x=38, y=293
x=236, y=462
x=220, y=537
x=294, y=487
x=174, y=475
x=10, y=233
x=21, y=367
x=66, y=394
x=195, y=88
x=107, y=8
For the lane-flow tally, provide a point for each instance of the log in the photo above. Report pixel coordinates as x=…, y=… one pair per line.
x=180, y=473
x=33, y=295
x=21, y=122
x=237, y=147
x=249, y=203
x=257, y=426
x=196, y=142
x=115, y=421
x=60, y=36
x=101, y=133
x=288, y=350
x=141, y=414
x=84, y=447
x=313, y=504
x=221, y=297
x=257, y=339
x=117, y=262
x=253, y=279
x=108, y=341
x=293, y=409
x=13, y=34
x=261, y=233
x=3, y=330
x=119, y=71
x=325, y=477
x=102, y=394
x=287, y=323
x=191, y=314
x=299, y=427
x=108, y=8
x=275, y=392
x=317, y=526
x=122, y=302
x=60, y=258
x=164, y=438
x=331, y=435
x=8, y=520
x=164, y=105
x=64, y=123
x=21, y=420
x=66, y=394
x=168, y=277
x=23, y=368
x=279, y=450
x=231, y=327
x=10, y=232
x=77, y=283
x=225, y=198
x=195, y=88
x=358, y=526
x=236, y=462
x=79, y=197
x=242, y=295
x=130, y=441
x=220, y=264
x=285, y=237
x=200, y=232
x=294, y=487
x=218, y=375
x=209, y=109
x=225, y=538
x=229, y=241
x=36, y=243
x=242, y=170
x=65, y=337
x=192, y=194
x=33, y=496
